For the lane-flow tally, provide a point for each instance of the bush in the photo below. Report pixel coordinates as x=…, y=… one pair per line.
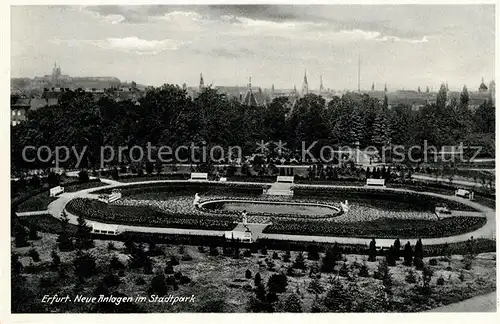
x=247, y=253
x=83, y=176
x=277, y=283
x=140, y=281
x=263, y=251
x=275, y=255
x=111, y=246
x=173, y=261
x=315, y=287
x=410, y=277
x=418, y=263
x=248, y=274
x=433, y=262
x=186, y=257
x=440, y=281
x=363, y=271
x=201, y=249
x=34, y=255
x=169, y=268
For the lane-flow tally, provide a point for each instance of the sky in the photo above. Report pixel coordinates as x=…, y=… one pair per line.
x=405, y=46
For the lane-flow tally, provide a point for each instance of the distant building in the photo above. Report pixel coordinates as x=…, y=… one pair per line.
x=482, y=86
x=249, y=99
x=305, y=85
x=19, y=109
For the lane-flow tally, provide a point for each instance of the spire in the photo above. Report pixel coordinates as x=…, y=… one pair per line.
x=249, y=83
x=321, y=83
x=305, y=86
x=202, y=83
x=359, y=72
x=385, y=87
x=373, y=86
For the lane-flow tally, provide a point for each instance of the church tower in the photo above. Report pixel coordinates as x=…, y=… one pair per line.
x=321, y=88
x=202, y=83
x=305, y=86
x=250, y=99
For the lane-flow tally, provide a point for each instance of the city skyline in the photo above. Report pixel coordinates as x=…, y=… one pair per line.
x=272, y=44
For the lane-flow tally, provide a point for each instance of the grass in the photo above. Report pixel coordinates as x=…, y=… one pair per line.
x=37, y=202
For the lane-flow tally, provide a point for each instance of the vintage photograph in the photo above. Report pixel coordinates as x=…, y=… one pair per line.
x=252, y=158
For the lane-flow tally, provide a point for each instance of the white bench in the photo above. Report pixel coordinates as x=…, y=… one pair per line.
x=237, y=235
x=199, y=176
x=105, y=229
x=464, y=193
x=223, y=179
x=115, y=195
x=284, y=179
x=56, y=190
x=375, y=182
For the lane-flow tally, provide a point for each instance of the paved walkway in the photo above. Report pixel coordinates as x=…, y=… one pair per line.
x=482, y=303
x=32, y=213
x=445, y=180
x=56, y=207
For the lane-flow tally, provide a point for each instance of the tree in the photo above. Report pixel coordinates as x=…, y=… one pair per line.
x=248, y=274
x=277, y=283
x=397, y=249
x=372, y=251
x=313, y=252
x=363, y=271
x=83, y=239
x=340, y=298
x=419, y=249
x=315, y=287
x=257, y=280
x=299, y=262
x=33, y=253
x=56, y=260
x=390, y=257
x=408, y=255
x=292, y=304
x=83, y=176
x=20, y=238
x=330, y=259
x=158, y=285
x=85, y=265
x=64, y=240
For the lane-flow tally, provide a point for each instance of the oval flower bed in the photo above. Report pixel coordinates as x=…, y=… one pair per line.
x=95, y=210
x=380, y=228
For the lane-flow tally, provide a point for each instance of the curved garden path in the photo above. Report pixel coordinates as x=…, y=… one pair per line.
x=56, y=207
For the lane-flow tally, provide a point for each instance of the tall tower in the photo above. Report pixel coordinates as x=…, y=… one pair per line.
x=321, y=89
x=359, y=73
x=385, y=88
x=305, y=86
x=373, y=86
x=202, y=83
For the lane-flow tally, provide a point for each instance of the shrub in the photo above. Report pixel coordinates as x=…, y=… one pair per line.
x=275, y=255
x=315, y=287
x=83, y=176
x=169, y=268
x=263, y=251
x=440, y=281
x=247, y=253
x=140, y=281
x=111, y=280
x=363, y=271
x=277, y=283
x=173, y=261
x=201, y=249
x=418, y=263
x=248, y=274
x=116, y=264
x=344, y=270
x=257, y=279
x=121, y=273
x=56, y=260
x=299, y=262
x=214, y=251
x=410, y=277
x=461, y=276
x=33, y=253
x=111, y=246
x=158, y=285
x=433, y=262
x=186, y=257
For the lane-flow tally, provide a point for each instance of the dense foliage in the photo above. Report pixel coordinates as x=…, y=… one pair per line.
x=166, y=115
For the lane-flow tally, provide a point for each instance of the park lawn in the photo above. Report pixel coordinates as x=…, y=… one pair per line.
x=219, y=285
x=37, y=202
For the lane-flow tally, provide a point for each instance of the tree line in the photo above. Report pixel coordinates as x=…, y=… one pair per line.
x=166, y=115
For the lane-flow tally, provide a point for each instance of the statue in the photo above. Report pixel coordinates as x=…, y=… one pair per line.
x=344, y=206
x=244, y=219
x=196, y=201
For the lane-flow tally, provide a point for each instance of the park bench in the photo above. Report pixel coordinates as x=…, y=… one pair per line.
x=238, y=235
x=285, y=179
x=115, y=195
x=199, y=176
x=464, y=193
x=105, y=229
x=375, y=182
x=223, y=179
x=56, y=191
